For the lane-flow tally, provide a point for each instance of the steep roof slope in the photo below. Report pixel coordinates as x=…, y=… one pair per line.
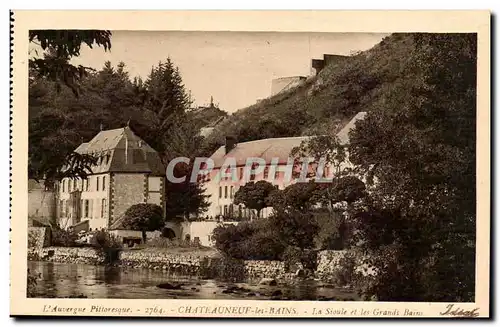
x=121, y=150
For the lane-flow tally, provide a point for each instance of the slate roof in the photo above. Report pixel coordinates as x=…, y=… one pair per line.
x=121, y=150
x=281, y=148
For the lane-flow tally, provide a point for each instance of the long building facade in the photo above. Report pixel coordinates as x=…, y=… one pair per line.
x=221, y=191
x=128, y=172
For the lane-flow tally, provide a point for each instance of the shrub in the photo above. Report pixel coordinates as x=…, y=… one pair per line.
x=249, y=241
x=104, y=240
x=61, y=237
x=293, y=255
x=294, y=227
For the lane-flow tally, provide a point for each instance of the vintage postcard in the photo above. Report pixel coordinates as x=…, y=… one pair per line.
x=313, y=164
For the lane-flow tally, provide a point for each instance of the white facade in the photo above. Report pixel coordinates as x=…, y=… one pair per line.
x=197, y=231
x=92, y=196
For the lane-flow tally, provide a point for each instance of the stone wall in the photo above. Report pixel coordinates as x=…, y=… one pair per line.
x=38, y=237
x=127, y=190
x=265, y=269
x=67, y=255
x=332, y=262
x=207, y=265
x=161, y=260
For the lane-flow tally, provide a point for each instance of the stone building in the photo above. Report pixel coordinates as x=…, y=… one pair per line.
x=128, y=172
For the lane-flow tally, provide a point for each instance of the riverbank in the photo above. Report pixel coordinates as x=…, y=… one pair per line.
x=333, y=266
x=204, y=263
x=63, y=280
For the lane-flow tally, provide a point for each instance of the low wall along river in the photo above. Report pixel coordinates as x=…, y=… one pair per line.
x=209, y=265
x=178, y=272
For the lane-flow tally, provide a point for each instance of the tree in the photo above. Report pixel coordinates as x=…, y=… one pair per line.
x=186, y=198
x=169, y=129
x=300, y=196
x=144, y=217
x=60, y=122
x=255, y=195
x=165, y=101
x=61, y=46
x=295, y=228
x=419, y=144
x=344, y=188
x=51, y=155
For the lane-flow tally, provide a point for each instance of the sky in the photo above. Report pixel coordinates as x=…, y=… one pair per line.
x=236, y=68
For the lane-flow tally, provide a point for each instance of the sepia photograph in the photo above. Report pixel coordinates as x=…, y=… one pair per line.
x=252, y=166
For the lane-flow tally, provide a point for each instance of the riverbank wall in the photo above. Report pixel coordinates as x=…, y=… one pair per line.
x=211, y=264
x=207, y=265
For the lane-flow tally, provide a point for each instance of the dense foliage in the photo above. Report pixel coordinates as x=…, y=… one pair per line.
x=404, y=198
x=62, y=237
x=419, y=143
x=255, y=240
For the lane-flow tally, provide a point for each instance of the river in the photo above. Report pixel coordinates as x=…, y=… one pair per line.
x=62, y=280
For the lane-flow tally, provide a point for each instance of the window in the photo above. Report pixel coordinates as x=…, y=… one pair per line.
x=103, y=207
x=70, y=182
x=225, y=192
x=231, y=195
x=266, y=172
x=220, y=210
x=97, y=185
x=225, y=210
x=86, y=184
x=66, y=208
x=276, y=174
x=86, y=209
x=220, y=192
x=64, y=185
x=103, y=183
x=91, y=212
x=252, y=172
x=241, y=173
x=61, y=208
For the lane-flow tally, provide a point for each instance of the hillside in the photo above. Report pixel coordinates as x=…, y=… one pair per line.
x=206, y=116
x=327, y=100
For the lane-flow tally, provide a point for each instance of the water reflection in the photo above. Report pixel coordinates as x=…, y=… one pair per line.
x=77, y=280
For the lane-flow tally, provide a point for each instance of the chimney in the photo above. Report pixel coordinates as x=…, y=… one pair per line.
x=230, y=143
